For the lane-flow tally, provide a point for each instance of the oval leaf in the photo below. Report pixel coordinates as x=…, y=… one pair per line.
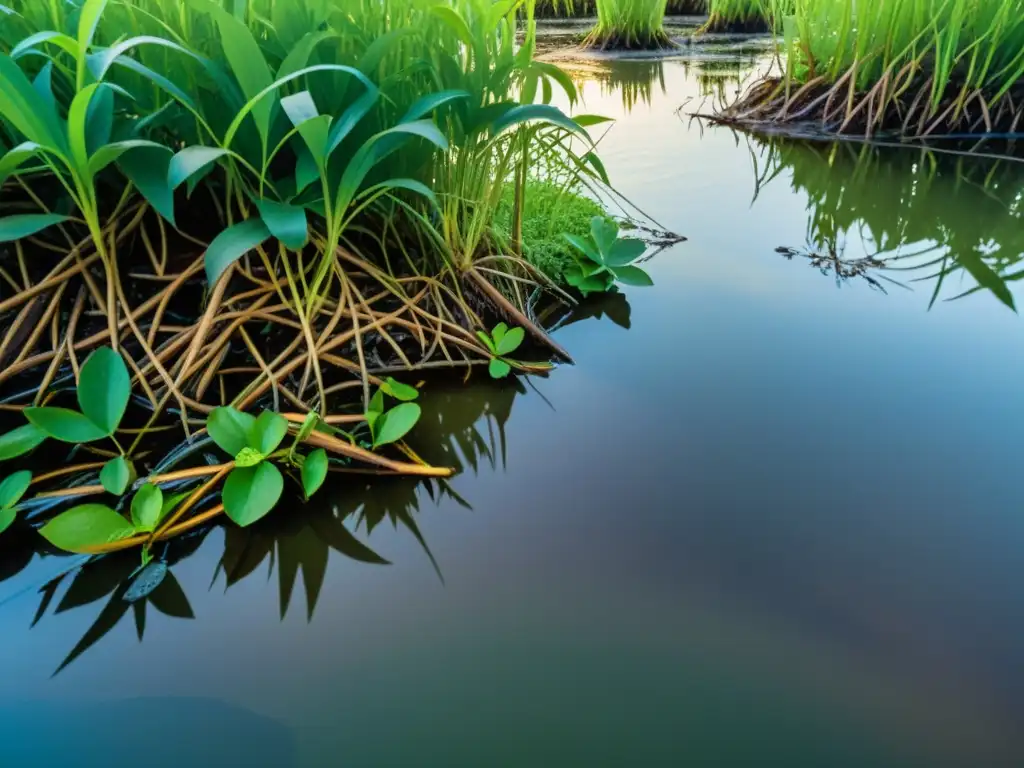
x=396, y=423
x=7, y=517
x=13, y=488
x=65, y=424
x=510, y=342
x=398, y=390
x=250, y=493
x=231, y=244
x=499, y=369
x=25, y=224
x=268, y=432
x=20, y=441
x=230, y=429
x=115, y=475
x=85, y=527
x=632, y=276
x=314, y=471
x=104, y=388
x=146, y=507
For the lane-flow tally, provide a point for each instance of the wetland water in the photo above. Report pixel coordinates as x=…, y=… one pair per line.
x=764, y=521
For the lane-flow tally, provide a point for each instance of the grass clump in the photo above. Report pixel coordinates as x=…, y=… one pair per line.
x=916, y=68
x=629, y=25
x=552, y=211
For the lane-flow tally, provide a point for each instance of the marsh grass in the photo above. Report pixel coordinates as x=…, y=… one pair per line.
x=916, y=69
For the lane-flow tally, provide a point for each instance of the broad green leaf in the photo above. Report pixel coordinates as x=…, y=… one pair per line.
x=115, y=475
x=25, y=224
x=267, y=432
x=427, y=104
x=499, y=369
x=26, y=110
x=170, y=504
x=85, y=527
x=13, y=488
x=15, y=158
x=190, y=161
x=376, y=403
x=104, y=389
x=28, y=45
x=99, y=120
x=147, y=504
x=454, y=21
x=147, y=170
x=251, y=492
x=510, y=341
x=314, y=471
x=7, y=517
x=286, y=222
x=231, y=244
x=230, y=429
x=396, y=423
x=585, y=245
x=625, y=251
x=499, y=333
x=20, y=441
x=632, y=276
x=65, y=425
x=544, y=113
x=111, y=152
x=88, y=20
x=488, y=341
x=605, y=233
x=398, y=390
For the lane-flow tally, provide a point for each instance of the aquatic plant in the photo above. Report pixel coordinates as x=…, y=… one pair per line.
x=629, y=24
x=916, y=69
x=747, y=15
x=266, y=203
x=603, y=258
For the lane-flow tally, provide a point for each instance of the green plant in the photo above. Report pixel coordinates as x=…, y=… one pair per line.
x=502, y=342
x=603, y=258
x=629, y=24
x=12, y=488
x=391, y=425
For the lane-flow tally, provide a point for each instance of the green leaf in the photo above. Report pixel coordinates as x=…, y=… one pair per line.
x=268, y=432
x=499, y=333
x=20, y=441
x=544, y=113
x=510, y=341
x=13, y=488
x=115, y=475
x=499, y=369
x=398, y=390
x=314, y=471
x=65, y=425
x=170, y=503
x=85, y=527
x=231, y=244
x=426, y=104
x=147, y=504
x=230, y=429
x=605, y=233
x=111, y=152
x=286, y=222
x=189, y=161
x=632, y=276
x=251, y=492
x=104, y=389
x=248, y=457
x=625, y=251
x=396, y=423
x=16, y=157
x=88, y=20
x=488, y=341
x=26, y=224
x=147, y=169
x=584, y=245
x=376, y=403
x=7, y=516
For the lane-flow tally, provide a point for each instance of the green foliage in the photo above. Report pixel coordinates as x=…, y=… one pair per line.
x=12, y=488
x=20, y=441
x=86, y=527
x=502, y=342
x=115, y=475
x=550, y=211
x=603, y=258
x=251, y=492
x=147, y=508
x=314, y=471
x=390, y=426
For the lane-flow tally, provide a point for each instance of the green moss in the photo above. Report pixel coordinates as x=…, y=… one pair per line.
x=551, y=212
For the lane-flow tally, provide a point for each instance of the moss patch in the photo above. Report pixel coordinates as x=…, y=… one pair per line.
x=551, y=212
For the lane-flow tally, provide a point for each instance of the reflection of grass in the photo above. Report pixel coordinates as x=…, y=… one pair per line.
x=551, y=211
x=944, y=218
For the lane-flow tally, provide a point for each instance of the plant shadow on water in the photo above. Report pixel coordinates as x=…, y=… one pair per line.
x=462, y=426
x=947, y=221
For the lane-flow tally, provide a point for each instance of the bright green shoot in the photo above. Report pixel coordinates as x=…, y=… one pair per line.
x=603, y=258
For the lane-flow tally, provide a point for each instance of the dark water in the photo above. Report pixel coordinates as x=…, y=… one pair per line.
x=764, y=521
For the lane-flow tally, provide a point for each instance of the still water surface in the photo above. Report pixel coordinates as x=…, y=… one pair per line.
x=764, y=521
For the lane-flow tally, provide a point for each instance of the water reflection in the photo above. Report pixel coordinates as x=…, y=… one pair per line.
x=949, y=222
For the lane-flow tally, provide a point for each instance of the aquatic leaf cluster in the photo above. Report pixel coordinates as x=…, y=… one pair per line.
x=603, y=258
